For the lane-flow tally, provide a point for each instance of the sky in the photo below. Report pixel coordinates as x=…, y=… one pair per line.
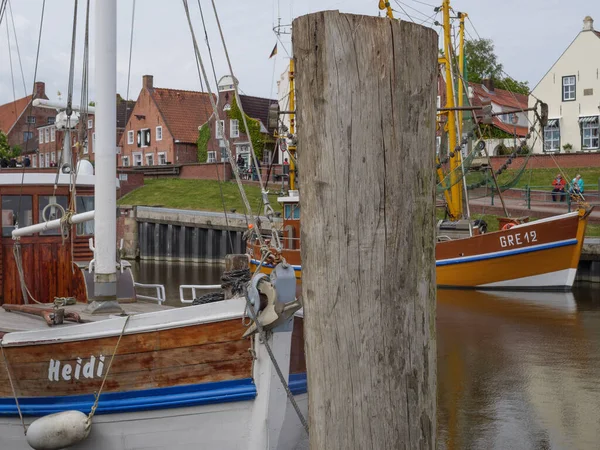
x=529, y=36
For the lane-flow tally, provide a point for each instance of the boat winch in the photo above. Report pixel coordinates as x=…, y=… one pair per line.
x=273, y=298
x=59, y=430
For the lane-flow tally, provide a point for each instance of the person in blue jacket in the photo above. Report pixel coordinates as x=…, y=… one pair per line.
x=577, y=185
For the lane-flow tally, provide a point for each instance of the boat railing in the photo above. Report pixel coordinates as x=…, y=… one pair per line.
x=194, y=288
x=159, y=291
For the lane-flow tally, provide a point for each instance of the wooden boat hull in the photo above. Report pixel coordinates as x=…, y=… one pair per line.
x=542, y=254
x=179, y=377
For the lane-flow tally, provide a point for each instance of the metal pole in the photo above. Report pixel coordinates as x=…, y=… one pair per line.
x=105, y=273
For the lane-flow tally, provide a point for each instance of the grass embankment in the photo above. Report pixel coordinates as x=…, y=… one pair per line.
x=202, y=195
x=541, y=179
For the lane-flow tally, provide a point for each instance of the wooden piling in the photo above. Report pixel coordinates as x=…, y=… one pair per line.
x=366, y=90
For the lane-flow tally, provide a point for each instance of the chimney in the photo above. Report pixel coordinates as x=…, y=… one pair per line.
x=488, y=83
x=40, y=90
x=148, y=82
x=588, y=24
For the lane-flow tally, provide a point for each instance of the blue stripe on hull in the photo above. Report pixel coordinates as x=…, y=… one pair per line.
x=142, y=400
x=502, y=254
x=298, y=384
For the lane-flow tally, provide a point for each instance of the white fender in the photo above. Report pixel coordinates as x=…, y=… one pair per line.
x=59, y=430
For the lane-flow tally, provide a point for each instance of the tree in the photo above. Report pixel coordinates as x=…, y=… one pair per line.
x=5, y=150
x=482, y=63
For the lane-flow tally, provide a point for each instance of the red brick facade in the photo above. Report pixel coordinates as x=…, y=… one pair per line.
x=563, y=160
x=170, y=119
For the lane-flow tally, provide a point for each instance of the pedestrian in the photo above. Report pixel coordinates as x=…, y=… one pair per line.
x=27, y=161
x=558, y=190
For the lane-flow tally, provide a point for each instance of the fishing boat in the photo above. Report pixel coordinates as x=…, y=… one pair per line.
x=538, y=255
x=90, y=365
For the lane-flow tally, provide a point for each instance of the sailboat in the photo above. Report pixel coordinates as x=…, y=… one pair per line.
x=101, y=374
x=537, y=255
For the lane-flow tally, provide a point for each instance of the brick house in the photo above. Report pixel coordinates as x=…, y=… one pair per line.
x=51, y=140
x=254, y=107
x=163, y=126
x=20, y=122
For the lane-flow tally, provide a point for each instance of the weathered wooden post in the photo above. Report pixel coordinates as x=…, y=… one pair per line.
x=366, y=90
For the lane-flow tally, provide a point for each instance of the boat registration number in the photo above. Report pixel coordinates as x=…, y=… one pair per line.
x=512, y=240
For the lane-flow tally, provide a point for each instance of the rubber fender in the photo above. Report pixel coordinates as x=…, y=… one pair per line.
x=59, y=430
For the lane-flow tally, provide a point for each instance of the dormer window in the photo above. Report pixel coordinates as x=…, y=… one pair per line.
x=227, y=107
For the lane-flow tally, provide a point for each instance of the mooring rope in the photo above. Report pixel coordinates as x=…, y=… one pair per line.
x=97, y=395
x=12, y=386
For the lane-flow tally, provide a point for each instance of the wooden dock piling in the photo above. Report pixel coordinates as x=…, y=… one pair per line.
x=366, y=90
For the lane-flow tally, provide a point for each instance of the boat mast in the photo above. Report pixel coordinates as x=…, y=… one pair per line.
x=455, y=205
x=292, y=148
x=105, y=273
x=461, y=70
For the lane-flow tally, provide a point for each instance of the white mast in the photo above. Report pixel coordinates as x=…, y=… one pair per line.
x=105, y=275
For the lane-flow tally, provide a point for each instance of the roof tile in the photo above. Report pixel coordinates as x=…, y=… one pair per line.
x=183, y=111
x=10, y=112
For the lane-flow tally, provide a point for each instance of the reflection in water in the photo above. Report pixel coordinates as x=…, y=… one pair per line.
x=172, y=275
x=518, y=370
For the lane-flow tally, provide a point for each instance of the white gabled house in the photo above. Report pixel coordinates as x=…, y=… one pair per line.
x=571, y=88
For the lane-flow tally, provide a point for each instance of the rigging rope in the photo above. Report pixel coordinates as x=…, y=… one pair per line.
x=12, y=76
x=17, y=45
x=37, y=58
x=12, y=386
x=234, y=167
x=212, y=63
x=129, y=64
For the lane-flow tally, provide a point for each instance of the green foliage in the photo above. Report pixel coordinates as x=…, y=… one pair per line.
x=483, y=63
x=257, y=138
x=491, y=132
x=202, y=142
x=5, y=150
x=92, y=103
x=567, y=147
x=183, y=194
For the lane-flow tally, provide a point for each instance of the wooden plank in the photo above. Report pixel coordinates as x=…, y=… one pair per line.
x=366, y=90
x=297, y=357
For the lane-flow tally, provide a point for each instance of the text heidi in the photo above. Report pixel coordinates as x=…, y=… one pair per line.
x=89, y=369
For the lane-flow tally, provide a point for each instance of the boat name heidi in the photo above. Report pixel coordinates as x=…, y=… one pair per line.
x=518, y=239
x=88, y=369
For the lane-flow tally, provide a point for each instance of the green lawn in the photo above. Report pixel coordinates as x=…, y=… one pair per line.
x=196, y=194
x=541, y=179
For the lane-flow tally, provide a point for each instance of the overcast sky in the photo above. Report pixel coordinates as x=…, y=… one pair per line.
x=529, y=36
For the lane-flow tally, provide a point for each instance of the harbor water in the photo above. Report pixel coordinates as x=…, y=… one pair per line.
x=515, y=370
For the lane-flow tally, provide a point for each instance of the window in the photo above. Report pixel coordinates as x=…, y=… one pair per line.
x=33, y=160
x=53, y=158
x=552, y=136
x=93, y=142
x=292, y=211
x=234, y=127
x=137, y=159
x=589, y=132
x=52, y=134
x=27, y=135
x=10, y=216
x=47, y=155
x=162, y=158
x=42, y=161
x=218, y=134
x=41, y=132
x=85, y=204
x=568, y=88
x=125, y=161
x=130, y=137
x=212, y=156
x=47, y=134
x=51, y=120
x=150, y=159
x=85, y=150
x=159, y=133
x=31, y=120
x=224, y=155
x=90, y=124
x=144, y=137
x=52, y=212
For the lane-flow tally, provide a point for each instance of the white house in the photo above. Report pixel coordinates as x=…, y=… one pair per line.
x=571, y=88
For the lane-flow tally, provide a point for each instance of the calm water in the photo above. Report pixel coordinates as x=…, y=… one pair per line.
x=515, y=370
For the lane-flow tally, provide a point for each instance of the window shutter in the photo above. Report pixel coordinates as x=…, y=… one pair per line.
x=139, y=138
x=147, y=137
